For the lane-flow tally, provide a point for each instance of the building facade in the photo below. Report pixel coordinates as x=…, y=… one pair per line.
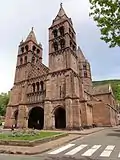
x=61, y=95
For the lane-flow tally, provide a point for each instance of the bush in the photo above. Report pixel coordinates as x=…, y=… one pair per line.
x=24, y=133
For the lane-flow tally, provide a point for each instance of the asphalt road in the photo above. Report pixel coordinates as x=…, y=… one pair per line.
x=103, y=145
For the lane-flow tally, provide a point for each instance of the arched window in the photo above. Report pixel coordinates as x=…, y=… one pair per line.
x=69, y=30
x=25, y=61
x=55, y=44
x=60, y=91
x=38, y=86
x=85, y=74
x=33, y=87
x=41, y=85
x=26, y=47
x=38, y=51
x=84, y=66
x=62, y=43
x=72, y=35
x=22, y=49
x=61, y=29
x=33, y=59
x=33, y=48
x=21, y=61
x=70, y=43
x=74, y=48
x=55, y=32
x=80, y=111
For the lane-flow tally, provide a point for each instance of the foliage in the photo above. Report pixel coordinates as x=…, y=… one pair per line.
x=27, y=135
x=115, y=86
x=4, y=98
x=1, y=122
x=107, y=15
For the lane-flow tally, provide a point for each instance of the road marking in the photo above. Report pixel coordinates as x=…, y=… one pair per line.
x=119, y=155
x=108, y=150
x=62, y=149
x=90, y=151
x=75, y=150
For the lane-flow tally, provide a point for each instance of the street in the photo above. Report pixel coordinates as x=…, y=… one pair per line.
x=98, y=146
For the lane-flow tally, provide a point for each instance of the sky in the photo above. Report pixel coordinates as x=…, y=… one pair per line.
x=17, y=17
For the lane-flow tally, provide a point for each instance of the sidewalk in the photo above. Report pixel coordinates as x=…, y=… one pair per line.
x=81, y=132
x=116, y=127
x=73, y=135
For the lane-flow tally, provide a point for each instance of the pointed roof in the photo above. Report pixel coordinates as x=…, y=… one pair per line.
x=61, y=11
x=61, y=16
x=31, y=36
x=101, y=89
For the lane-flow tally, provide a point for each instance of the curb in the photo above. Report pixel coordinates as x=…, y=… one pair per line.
x=50, y=148
x=92, y=132
x=35, y=153
x=32, y=143
x=77, y=133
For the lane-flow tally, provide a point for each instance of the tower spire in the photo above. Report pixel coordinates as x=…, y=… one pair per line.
x=61, y=10
x=31, y=36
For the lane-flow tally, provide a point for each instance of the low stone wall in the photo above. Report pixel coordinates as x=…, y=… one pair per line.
x=31, y=143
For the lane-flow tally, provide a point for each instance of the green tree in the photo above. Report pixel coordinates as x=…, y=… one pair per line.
x=4, y=98
x=107, y=15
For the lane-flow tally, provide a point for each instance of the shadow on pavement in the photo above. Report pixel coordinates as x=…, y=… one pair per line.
x=117, y=130
x=114, y=134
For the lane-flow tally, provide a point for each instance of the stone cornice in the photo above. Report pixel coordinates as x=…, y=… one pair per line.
x=26, y=42
x=34, y=103
x=61, y=51
x=62, y=99
x=15, y=105
x=63, y=72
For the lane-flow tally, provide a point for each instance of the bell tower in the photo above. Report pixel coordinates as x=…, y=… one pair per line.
x=84, y=70
x=62, y=85
x=29, y=52
x=62, y=43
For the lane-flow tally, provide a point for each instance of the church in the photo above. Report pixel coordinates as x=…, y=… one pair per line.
x=60, y=96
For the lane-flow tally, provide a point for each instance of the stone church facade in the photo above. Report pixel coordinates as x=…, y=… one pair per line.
x=61, y=95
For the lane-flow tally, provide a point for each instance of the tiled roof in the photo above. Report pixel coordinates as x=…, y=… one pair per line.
x=101, y=89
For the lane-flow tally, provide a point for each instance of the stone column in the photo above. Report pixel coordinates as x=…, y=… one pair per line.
x=68, y=85
x=8, y=118
x=48, y=119
x=83, y=114
x=68, y=101
x=69, y=114
x=76, y=114
x=53, y=120
x=22, y=121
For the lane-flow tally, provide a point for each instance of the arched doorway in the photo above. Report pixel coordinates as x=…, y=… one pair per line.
x=60, y=118
x=16, y=118
x=36, y=118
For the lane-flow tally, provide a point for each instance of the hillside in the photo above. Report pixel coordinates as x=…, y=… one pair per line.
x=115, y=86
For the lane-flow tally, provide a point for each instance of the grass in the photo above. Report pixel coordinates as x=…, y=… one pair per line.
x=27, y=137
